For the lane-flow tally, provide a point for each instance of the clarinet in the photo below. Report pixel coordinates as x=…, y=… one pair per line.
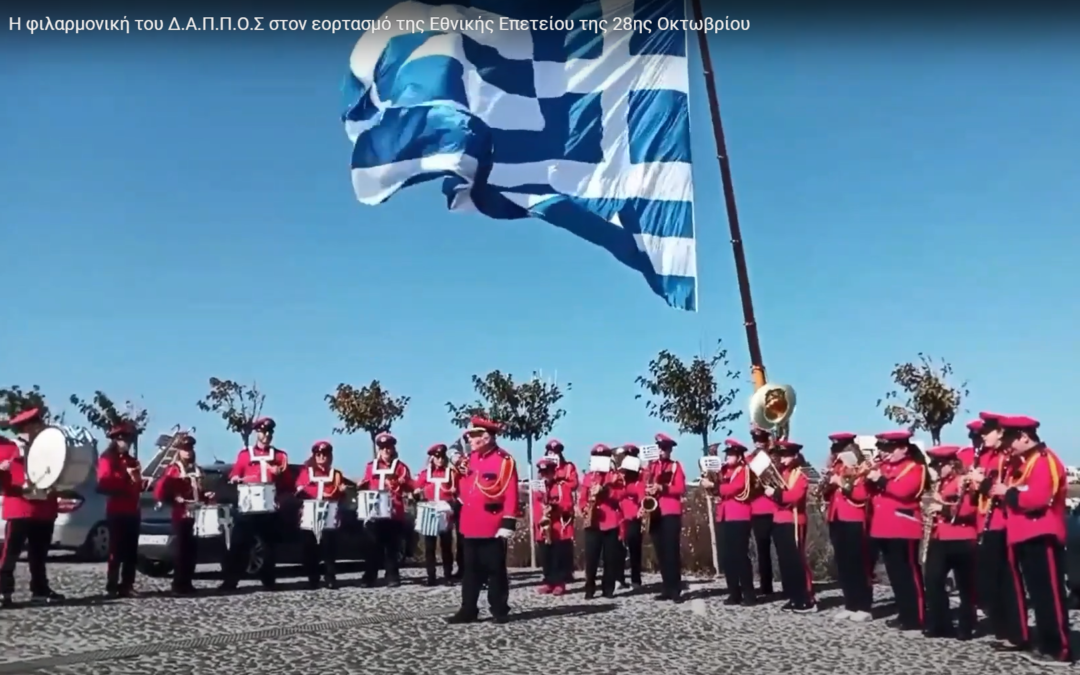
x=995, y=503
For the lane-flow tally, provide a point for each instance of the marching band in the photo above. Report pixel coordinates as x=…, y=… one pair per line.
x=992, y=515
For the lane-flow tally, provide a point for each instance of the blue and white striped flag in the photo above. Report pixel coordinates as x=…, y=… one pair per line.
x=584, y=123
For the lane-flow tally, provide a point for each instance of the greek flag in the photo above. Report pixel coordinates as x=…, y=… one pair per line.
x=573, y=112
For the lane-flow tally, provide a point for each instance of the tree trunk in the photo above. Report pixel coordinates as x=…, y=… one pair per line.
x=935, y=436
x=529, y=501
x=710, y=510
x=374, y=446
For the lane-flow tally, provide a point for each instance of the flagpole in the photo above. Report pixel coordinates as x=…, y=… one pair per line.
x=757, y=364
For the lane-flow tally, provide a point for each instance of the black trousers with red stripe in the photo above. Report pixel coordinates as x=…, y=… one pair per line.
x=901, y=558
x=998, y=586
x=1042, y=567
x=945, y=556
x=791, y=555
x=35, y=537
x=853, y=567
x=123, y=551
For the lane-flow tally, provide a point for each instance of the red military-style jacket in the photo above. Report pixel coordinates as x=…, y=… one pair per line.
x=17, y=504
x=393, y=477
x=489, y=494
x=608, y=512
x=119, y=477
x=308, y=483
x=668, y=474
x=178, y=487
x=791, y=501
x=896, y=501
x=736, y=485
x=1036, y=497
x=560, y=498
x=957, y=521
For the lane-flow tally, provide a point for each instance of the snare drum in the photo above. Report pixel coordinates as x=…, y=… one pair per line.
x=209, y=521
x=430, y=520
x=256, y=497
x=373, y=505
x=317, y=516
x=61, y=458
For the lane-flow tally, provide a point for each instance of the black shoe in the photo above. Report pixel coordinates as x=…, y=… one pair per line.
x=766, y=590
x=500, y=618
x=677, y=598
x=664, y=595
x=939, y=633
x=461, y=617
x=6, y=602
x=608, y=594
x=128, y=592
x=431, y=581
x=623, y=585
x=733, y=600
x=228, y=586
x=636, y=584
x=804, y=607
x=46, y=597
x=1010, y=647
x=750, y=599
x=393, y=582
x=184, y=591
x=589, y=595
x=900, y=624
x=788, y=606
x=313, y=584
x=368, y=581
x=1043, y=659
x=331, y=584
x=112, y=593
x=269, y=584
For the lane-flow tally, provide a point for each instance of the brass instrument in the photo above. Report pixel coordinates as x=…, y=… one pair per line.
x=545, y=523
x=649, y=504
x=771, y=478
x=590, y=508
x=927, y=532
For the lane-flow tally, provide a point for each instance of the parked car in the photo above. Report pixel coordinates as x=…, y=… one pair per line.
x=155, y=536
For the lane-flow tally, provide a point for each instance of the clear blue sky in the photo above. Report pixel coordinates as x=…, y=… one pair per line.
x=177, y=209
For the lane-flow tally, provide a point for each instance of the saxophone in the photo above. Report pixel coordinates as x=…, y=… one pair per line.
x=590, y=509
x=545, y=523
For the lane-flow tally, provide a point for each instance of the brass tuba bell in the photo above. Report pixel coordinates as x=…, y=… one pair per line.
x=772, y=406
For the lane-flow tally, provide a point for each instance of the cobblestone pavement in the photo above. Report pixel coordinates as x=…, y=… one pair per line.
x=400, y=631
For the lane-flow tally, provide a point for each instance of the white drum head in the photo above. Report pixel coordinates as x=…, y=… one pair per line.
x=46, y=457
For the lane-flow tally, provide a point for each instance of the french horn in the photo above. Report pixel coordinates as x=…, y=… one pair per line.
x=772, y=406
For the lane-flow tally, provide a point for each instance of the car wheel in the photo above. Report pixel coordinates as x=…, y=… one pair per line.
x=257, y=557
x=156, y=569
x=96, y=546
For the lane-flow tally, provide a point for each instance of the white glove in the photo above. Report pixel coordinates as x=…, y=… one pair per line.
x=769, y=492
x=504, y=533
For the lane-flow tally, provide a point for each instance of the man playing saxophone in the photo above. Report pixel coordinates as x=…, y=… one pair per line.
x=633, y=494
x=951, y=547
x=667, y=484
x=789, y=528
x=895, y=524
x=598, y=504
x=846, y=499
x=554, y=532
x=733, y=513
x=763, y=510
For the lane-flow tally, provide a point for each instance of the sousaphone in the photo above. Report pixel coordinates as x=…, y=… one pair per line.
x=772, y=406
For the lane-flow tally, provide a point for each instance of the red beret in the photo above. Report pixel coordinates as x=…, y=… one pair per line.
x=975, y=425
x=789, y=447
x=902, y=436
x=322, y=446
x=264, y=424
x=842, y=437
x=385, y=438
x=437, y=450
x=122, y=429
x=483, y=424
x=33, y=414
x=546, y=463
x=758, y=432
x=943, y=453
x=1019, y=422
x=987, y=416
x=554, y=445
x=600, y=450
x=734, y=447
x=664, y=440
x=632, y=449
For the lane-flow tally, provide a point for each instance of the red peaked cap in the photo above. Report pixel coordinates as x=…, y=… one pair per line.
x=600, y=450
x=484, y=424
x=632, y=450
x=1019, y=422
x=437, y=450
x=988, y=416
x=554, y=445
x=842, y=437
x=663, y=440
x=25, y=416
x=264, y=424
x=186, y=442
x=322, y=447
x=122, y=429
x=975, y=426
x=943, y=453
x=759, y=432
x=788, y=447
x=901, y=436
x=386, y=438
x=734, y=447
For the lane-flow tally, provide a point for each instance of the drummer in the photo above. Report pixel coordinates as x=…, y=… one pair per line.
x=387, y=473
x=437, y=484
x=179, y=487
x=318, y=474
x=119, y=478
x=30, y=514
x=259, y=464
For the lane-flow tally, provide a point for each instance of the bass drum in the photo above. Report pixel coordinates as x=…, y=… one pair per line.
x=61, y=458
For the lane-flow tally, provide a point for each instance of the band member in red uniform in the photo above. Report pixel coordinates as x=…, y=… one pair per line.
x=387, y=473
x=598, y=505
x=968, y=455
x=951, y=547
x=896, y=523
x=789, y=528
x=438, y=483
x=319, y=475
x=734, y=514
x=1035, y=528
x=489, y=503
x=119, y=477
x=846, y=500
x=262, y=463
x=666, y=482
x=30, y=514
x=763, y=510
x=630, y=506
x=566, y=473
x=995, y=572
x=179, y=487
x=554, y=535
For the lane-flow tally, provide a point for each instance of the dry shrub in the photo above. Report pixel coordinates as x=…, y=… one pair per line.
x=697, y=544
